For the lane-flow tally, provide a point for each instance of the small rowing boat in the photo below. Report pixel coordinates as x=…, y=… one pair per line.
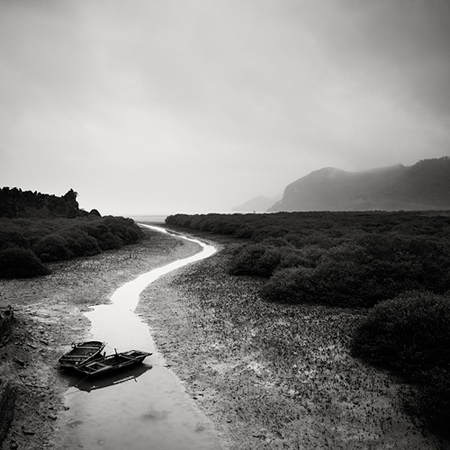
x=106, y=364
x=81, y=353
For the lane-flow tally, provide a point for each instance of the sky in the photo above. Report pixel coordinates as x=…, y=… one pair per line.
x=197, y=106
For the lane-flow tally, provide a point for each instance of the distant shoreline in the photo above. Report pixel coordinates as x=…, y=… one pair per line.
x=153, y=218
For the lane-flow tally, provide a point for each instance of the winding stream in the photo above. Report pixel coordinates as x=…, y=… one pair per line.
x=145, y=407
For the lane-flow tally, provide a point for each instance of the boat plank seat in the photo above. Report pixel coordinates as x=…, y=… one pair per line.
x=81, y=349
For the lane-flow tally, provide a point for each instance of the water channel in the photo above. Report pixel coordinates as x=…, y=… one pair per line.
x=145, y=407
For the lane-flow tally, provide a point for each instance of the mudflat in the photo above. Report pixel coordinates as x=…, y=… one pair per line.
x=48, y=314
x=269, y=376
x=274, y=376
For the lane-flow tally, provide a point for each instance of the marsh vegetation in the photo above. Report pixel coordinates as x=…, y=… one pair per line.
x=26, y=245
x=392, y=268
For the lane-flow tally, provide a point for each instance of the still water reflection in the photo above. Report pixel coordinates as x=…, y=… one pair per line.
x=145, y=407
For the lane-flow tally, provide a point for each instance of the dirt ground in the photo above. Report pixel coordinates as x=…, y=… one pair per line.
x=211, y=329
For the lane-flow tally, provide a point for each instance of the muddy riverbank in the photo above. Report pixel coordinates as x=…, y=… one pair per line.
x=273, y=376
x=268, y=376
x=49, y=317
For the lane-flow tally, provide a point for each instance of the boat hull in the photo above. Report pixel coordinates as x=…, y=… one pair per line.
x=81, y=353
x=106, y=365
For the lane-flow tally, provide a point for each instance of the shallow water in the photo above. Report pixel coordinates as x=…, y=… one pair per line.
x=145, y=407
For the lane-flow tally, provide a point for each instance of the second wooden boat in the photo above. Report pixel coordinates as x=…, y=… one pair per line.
x=81, y=353
x=108, y=364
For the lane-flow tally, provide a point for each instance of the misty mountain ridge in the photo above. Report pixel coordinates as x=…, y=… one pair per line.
x=257, y=204
x=423, y=186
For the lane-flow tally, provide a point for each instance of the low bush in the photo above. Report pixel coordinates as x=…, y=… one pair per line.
x=411, y=336
x=52, y=248
x=50, y=240
x=256, y=259
x=20, y=263
x=13, y=238
x=106, y=240
x=80, y=243
x=125, y=229
x=290, y=285
x=361, y=273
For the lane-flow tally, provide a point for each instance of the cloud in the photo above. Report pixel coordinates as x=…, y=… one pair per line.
x=206, y=104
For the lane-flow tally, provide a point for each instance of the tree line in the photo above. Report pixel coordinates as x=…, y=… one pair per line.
x=15, y=203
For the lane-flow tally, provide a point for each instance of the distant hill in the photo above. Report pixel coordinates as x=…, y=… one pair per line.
x=15, y=203
x=423, y=186
x=257, y=204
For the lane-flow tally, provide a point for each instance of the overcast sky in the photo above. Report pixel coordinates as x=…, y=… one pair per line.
x=164, y=106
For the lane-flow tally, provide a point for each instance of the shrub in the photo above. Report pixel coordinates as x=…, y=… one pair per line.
x=106, y=240
x=229, y=228
x=363, y=272
x=80, y=243
x=52, y=248
x=12, y=238
x=419, y=261
x=256, y=259
x=61, y=238
x=335, y=277
x=125, y=229
x=308, y=256
x=244, y=232
x=342, y=283
x=409, y=334
x=20, y=263
x=263, y=233
x=290, y=285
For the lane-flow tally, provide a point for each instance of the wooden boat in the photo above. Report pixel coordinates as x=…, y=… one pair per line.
x=81, y=353
x=108, y=364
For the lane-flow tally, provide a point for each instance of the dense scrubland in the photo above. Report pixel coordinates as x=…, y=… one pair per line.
x=38, y=228
x=396, y=266
x=27, y=244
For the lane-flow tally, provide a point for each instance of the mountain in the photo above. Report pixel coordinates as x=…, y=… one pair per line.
x=257, y=204
x=423, y=186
